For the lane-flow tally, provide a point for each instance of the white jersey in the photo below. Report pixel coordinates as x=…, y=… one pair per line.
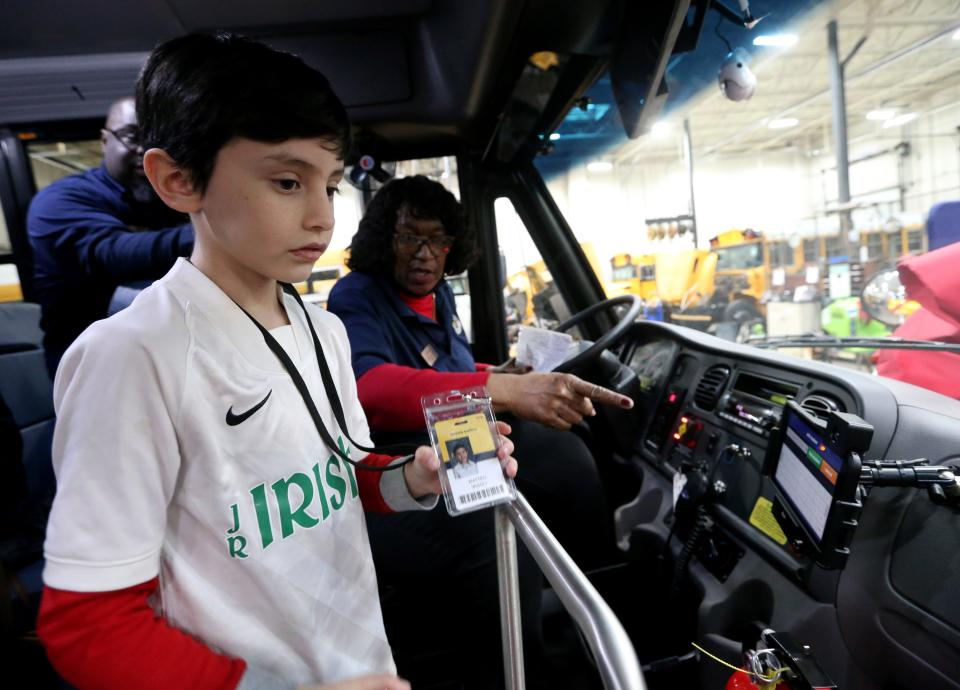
x=182, y=448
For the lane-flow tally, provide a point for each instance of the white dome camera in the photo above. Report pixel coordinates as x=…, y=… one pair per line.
x=737, y=80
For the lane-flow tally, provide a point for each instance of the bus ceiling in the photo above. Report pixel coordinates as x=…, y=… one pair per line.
x=427, y=77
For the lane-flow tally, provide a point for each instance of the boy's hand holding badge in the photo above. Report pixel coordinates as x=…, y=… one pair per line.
x=423, y=474
x=476, y=469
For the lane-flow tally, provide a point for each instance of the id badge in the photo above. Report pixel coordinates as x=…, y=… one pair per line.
x=464, y=435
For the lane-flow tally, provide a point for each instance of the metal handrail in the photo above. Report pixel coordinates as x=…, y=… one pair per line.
x=608, y=641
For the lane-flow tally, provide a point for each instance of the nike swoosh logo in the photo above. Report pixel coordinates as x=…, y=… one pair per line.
x=234, y=419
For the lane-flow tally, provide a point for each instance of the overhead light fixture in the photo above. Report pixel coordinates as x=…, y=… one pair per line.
x=554, y=136
x=900, y=120
x=775, y=40
x=600, y=166
x=783, y=123
x=881, y=114
x=660, y=129
x=956, y=35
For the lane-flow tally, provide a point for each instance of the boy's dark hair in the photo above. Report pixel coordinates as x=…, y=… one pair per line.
x=197, y=92
x=372, y=250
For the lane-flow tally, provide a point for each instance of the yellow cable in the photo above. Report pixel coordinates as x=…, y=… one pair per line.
x=737, y=668
x=718, y=659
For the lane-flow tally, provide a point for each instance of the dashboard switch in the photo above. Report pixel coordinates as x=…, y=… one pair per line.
x=712, y=441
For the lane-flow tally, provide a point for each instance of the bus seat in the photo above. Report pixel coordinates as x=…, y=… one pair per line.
x=27, y=390
x=20, y=326
x=26, y=387
x=26, y=470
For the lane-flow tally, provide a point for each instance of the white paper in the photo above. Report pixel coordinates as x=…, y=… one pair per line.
x=542, y=349
x=839, y=280
x=679, y=482
x=779, y=277
x=813, y=275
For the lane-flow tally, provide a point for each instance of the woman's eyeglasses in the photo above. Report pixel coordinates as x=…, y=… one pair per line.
x=411, y=244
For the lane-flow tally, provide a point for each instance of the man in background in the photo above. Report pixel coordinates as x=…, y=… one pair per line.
x=93, y=232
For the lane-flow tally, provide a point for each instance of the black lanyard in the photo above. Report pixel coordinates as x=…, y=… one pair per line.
x=332, y=397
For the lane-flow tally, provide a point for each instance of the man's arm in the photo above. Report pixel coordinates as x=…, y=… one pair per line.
x=102, y=243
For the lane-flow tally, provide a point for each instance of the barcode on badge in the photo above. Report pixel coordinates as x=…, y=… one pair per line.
x=475, y=496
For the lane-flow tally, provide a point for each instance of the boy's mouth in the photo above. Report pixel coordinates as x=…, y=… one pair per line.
x=309, y=252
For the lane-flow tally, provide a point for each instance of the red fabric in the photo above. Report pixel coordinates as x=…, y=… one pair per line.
x=368, y=483
x=426, y=306
x=115, y=641
x=390, y=394
x=933, y=280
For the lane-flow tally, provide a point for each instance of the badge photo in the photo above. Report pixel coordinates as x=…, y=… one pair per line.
x=464, y=436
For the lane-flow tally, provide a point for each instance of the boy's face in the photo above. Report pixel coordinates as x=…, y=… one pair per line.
x=268, y=209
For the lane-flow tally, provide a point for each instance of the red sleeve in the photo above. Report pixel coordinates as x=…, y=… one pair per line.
x=480, y=366
x=368, y=483
x=390, y=394
x=115, y=641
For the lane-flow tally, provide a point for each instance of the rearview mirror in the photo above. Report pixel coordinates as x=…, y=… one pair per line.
x=885, y=299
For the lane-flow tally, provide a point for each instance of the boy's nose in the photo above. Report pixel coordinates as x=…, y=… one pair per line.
x=320, y=213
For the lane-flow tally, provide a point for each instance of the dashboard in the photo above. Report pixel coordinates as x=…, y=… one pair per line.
x=883, y=621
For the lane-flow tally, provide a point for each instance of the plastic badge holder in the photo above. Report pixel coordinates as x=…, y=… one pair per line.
x=464, y=435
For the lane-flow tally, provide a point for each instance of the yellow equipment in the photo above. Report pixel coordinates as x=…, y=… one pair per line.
x=533, y=280
x=685, y=281
x=633, y=275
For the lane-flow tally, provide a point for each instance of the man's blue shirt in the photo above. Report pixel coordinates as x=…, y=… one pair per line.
x=385, y=330
x=88, y=237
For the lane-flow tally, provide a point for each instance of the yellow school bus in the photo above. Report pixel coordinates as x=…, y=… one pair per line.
x=633, y=275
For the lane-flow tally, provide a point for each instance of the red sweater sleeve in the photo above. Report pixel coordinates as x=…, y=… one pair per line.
x=115, y=641
x=368, y=483
x=390, y=394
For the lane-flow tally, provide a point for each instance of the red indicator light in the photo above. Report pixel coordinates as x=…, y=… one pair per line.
x=672, y=398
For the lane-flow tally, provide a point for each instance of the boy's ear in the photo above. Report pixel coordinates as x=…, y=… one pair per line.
x=171, y=183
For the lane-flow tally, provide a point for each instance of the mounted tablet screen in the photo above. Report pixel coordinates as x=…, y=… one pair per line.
x=815, y=469
x=807, y=473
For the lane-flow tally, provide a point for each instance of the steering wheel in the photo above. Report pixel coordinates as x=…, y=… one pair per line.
x=608, y=338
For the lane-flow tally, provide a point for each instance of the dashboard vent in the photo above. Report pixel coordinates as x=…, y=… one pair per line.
x=710, y=386
x=821, y=404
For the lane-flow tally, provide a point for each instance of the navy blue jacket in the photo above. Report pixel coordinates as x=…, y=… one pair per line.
x=383, y=329
x=80, y=230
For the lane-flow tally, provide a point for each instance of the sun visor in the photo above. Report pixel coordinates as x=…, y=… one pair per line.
x=363, y=68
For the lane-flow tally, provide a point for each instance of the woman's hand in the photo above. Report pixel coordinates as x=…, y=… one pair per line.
x=378, y=681
x=556, y=400
x=422, y=474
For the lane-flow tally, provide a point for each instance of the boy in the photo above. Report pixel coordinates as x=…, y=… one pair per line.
x=193, y=480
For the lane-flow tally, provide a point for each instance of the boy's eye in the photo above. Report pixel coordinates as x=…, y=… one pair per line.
x=332, y=190
x=287, y=184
